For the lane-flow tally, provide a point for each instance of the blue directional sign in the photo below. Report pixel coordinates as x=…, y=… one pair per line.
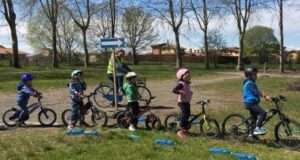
x=112, y=42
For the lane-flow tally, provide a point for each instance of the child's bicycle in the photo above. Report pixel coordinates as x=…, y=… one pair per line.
x=150, y=120
x=199, y=124
x=286, y=132
x=46, y=116
x=96, y=116
x=104, y=94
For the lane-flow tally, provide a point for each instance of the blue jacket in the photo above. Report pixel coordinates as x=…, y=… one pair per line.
x=23, y=94
x=76, y=87
x=251, y=93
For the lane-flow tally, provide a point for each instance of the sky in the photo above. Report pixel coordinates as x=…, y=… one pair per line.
x=191, y=36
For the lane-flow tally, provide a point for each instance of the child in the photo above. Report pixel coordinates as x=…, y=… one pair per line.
x=184, y=98
x=251, y=96
x=77, y=86
x=24, y=91
x=130, y=90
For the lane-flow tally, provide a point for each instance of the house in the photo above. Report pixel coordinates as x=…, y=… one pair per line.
x=6, y=53
x=230, y=52
x=293, y=56
x=165, y=49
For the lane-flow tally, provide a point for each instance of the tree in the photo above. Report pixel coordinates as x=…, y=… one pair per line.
x=81, y=12
x=10, y=16
x=241, y=10
x=172, y=12
x=137, y=29
x=261, y=41
x=216, y=42
x=280, y=23
x=204, y=10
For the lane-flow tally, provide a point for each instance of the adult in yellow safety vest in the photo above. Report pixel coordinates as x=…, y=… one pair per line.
x=121, y=68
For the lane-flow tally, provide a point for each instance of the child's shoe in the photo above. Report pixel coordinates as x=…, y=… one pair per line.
x=181, y=134
x=132, y=128
x=259, y=131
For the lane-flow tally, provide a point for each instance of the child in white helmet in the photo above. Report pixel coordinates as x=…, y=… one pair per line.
x=131, y=92
x=77, y=86
x=185, y=94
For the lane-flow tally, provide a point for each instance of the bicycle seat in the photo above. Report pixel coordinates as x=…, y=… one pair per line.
x=203, y=102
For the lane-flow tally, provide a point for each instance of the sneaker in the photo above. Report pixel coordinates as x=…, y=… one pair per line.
x=181, y=134
x=132, y=128
x=259, y=131
x=70, y=127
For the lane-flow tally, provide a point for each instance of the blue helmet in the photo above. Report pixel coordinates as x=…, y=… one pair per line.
x=26, y=77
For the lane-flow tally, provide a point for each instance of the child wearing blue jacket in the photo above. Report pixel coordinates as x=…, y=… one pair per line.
x=24, y=92
x=77, y=86
x=251, y=96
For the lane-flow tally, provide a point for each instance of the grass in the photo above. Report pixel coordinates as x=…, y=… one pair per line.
x=115, y=144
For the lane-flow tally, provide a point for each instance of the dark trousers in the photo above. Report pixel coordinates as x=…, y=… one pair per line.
x=23, y=114
x=258, y=114
x=119, y=79
x=185, y=114
x=133, y=108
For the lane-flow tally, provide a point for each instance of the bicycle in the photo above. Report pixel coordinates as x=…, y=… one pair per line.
x=104, y=94
x=146, y=116
x=286, y=131
x=46, y=116
x=97, y=116
x=199, y=124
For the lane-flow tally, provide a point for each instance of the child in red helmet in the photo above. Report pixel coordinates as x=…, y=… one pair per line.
x=185, y=94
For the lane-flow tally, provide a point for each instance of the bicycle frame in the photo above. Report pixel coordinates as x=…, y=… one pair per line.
x=202, y=113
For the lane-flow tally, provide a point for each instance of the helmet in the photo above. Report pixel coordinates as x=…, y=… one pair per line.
x=181, y=72
x=76, y=73
x=250, y=70
x=26, y=77
x=130, y=75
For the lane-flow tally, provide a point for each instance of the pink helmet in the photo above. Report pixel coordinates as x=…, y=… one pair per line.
x=181, y=72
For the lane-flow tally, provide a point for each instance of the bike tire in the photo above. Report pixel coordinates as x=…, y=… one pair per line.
x=66, y=117
x=289, y=127
x=101, y=96
x=47, y=113
x=123, y=119
x=6, y=118
x=210, y=128
x=99, y=117
x=237, y=130
x=171, y=122
x=152, y=121
x=145, y=96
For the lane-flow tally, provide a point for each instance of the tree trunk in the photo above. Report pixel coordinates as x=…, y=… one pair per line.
x=282, y=56
x=134, y=59
x=15, y=47
x=240, y=65
x=178, y=49
x=215, y=60
x=54, y=43
x=86, y=51
x=206, y=50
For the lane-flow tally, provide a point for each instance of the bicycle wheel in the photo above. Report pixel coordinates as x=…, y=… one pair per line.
x=103, y=96
x=235, y=126
x=10, y=117
x=172, y=122
x=145, y=96
x=99, y=117
x=210, y=128
x=123, y=119
x=66, y=116
x=152, y=122
x=287, y=134
x=47, y=117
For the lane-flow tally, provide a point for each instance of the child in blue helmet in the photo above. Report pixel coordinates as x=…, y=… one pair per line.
x=77, y=86
x=251, y=96
x=24, y=92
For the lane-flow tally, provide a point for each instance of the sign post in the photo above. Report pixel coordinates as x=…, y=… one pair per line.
x=113, y=43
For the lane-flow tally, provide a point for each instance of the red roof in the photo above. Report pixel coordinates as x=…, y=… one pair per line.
x=6, y=51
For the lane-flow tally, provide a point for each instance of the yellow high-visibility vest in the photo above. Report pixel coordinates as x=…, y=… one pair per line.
x=110, y=67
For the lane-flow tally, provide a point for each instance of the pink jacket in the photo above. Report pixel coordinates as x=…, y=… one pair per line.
x=185, y=87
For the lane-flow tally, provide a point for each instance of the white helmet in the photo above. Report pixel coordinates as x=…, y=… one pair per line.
x=76, y=73
x=131, y=75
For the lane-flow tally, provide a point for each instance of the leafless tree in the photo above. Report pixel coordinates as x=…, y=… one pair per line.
x=137, y=29
x=10, y=16
x=173, y=13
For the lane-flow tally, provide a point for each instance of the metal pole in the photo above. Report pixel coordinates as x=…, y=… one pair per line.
x=115, y=80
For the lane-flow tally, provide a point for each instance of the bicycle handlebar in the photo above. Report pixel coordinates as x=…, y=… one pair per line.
x=203, y=102
x=278, y=98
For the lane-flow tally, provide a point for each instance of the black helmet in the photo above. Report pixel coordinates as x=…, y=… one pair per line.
x=249, y=71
